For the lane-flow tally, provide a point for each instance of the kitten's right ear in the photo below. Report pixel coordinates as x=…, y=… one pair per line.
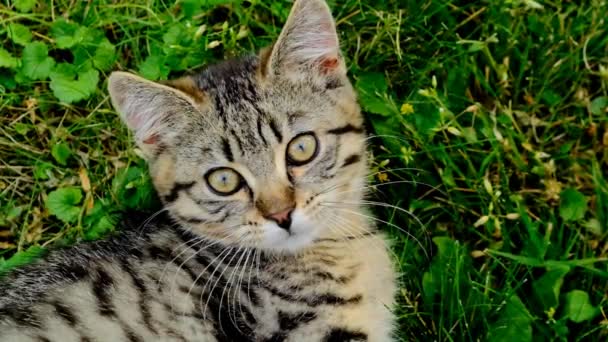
x=308, y=42
x=147, y=107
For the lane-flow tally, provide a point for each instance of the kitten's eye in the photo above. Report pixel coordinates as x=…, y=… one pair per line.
x=302, y=149
x=224, y=181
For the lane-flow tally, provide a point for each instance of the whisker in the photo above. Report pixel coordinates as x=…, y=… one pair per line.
x=349, y=230
x=226, y=250
x=239, y=286
x=195, y=281
x=196, y=240
x=342, y=229
x=142, y=227
x=386, y=205
x=396, y=169
x=229, y=284
x=375, y=186
x=201, y=240
x=374, y=136
x=214, y=286
x=387, y=223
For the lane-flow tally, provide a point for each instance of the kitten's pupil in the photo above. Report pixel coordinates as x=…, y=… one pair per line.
x=225, y=181
x=302, y=149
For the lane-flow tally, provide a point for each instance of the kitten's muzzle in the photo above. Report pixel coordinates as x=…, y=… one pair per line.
x=282, y=218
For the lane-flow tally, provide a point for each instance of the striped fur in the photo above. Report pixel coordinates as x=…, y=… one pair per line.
x=218, y=268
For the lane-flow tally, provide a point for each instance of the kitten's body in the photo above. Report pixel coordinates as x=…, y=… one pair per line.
x=265, y=239
x=140, y=287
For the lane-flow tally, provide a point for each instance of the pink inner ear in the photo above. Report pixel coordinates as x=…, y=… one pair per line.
x=151, y=139
x=329, y=64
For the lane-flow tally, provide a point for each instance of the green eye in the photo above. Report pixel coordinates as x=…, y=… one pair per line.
x=302, y=149
x=224, y=181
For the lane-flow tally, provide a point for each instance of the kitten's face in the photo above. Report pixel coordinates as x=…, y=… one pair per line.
x=259, y=151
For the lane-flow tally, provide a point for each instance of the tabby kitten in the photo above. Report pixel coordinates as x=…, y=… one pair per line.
x=260, y=163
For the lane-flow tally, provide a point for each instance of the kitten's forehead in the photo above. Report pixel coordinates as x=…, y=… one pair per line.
x=249, y=116
x=232, y=127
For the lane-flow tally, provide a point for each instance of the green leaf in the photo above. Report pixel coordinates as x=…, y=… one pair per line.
x=372, y=89
x=550, y=97
x=578, y=308
x=24, y=5
x=37, y=64
x=547, y=288
x=573, y=205
x=22, y=128
x=133, y=188
x=105, y=55
x=154, y=68
x=100, y=228
x=19, y=34
x=11, y=214
x=67, y=34
x=514, y=323
x=7, y=60
x=594, y=226
x=67, y=88
x=42, y=170
x=61, y=152
x=387, y=128
x=599, y=105
x=176, y=35
x=22, y=258
x=99, y=222
x=64, y=203
x=190, y=8
x=426, y=118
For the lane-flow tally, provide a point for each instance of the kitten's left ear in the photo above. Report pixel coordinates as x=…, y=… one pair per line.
x=150, y=110
x=308, y=41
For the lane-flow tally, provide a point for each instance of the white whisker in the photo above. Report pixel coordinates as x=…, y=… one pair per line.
x=385, y=222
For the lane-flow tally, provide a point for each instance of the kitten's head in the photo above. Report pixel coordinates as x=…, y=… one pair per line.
x=257, y=151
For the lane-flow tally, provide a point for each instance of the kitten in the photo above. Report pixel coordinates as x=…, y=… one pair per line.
x=260, y=163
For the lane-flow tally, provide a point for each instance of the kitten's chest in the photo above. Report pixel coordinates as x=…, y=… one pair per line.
x=335, y=285
x=339, y=287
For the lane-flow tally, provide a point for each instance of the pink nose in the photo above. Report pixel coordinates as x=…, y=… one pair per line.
x=282, y=218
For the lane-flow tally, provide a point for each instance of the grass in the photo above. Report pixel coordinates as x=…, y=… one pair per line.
x=490, y=117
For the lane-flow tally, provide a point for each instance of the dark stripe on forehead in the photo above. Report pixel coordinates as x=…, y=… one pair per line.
x=237, y=139
x=294, y=116
x=227, y=150
x=219, y=106
x=346, y=129
x=275, y=130
x=260, y=133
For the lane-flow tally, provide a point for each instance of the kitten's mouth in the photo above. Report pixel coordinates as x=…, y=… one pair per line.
x=299, y=235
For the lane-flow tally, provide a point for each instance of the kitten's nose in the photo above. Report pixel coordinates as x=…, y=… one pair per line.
x=282, y=218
